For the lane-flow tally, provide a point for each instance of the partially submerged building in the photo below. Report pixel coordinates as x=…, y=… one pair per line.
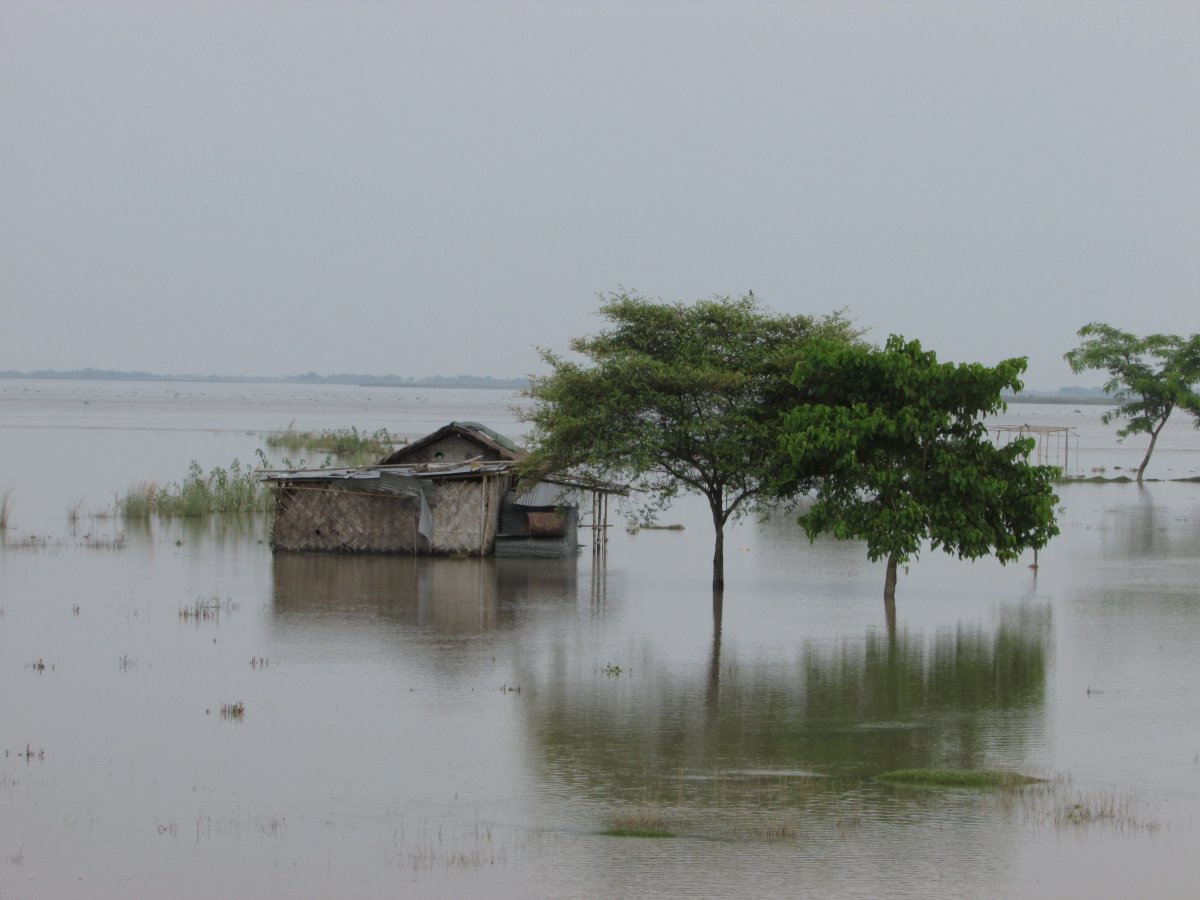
x=453, y=492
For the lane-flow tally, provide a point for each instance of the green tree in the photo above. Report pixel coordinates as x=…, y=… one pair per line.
x=904, y=457
x=684, y=398
x=1148, y=376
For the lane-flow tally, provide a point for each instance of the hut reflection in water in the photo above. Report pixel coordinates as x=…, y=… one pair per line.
x=453, y=596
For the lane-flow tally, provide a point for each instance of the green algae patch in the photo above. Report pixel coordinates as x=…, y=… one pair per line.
x=972, y=778
x=637, y=833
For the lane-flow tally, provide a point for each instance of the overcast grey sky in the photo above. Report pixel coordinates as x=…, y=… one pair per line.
x=438, y=188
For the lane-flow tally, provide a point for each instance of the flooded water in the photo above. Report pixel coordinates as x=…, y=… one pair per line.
x=470, y=728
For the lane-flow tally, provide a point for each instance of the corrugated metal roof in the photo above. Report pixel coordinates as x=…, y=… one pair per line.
x=466, y=469
x=321, y=475
x=419, y=470
x=546, y=494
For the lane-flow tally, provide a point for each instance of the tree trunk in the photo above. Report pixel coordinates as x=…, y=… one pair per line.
x=718, y=547
x=889, y=593
x=1150, y=449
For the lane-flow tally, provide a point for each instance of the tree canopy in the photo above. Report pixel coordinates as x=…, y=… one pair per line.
x=904, y=457
x=685, y=398
x=1149, y=377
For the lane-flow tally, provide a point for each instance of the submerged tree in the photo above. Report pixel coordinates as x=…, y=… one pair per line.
x=905, y=456
x=684, y=398
x=1148, y=376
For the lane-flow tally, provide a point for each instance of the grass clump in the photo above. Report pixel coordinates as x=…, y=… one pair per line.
x=974, y=778
x=638, y=824
x=220, y=491
x=346, y=444
x=637, y=833
x=1061, y=804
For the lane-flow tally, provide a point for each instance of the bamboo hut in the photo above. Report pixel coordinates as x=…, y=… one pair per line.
x=452, y=492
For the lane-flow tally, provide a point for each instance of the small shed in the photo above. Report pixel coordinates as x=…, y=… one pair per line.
x=452, y=492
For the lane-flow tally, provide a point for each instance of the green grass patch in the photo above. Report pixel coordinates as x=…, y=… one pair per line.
x=348, y=445
x=219, y=492
x=638, y=823
x=975, y=778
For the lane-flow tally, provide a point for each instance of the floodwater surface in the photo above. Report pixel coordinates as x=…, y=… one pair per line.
x=184, y=714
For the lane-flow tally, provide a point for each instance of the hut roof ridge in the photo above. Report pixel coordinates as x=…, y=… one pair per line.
x=475, y=432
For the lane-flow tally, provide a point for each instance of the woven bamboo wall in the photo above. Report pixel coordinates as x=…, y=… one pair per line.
x=465, y=518
x=334, y=520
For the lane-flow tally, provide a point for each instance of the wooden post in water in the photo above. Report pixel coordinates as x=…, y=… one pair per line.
x=595, y=523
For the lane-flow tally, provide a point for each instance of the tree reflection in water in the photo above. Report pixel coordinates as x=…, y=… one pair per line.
x=838, y=712
x=972, y=697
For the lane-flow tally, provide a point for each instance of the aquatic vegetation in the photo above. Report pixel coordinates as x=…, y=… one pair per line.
x=637, y=833
x=99, y=542
x=978, y=778
x=455, y=846
x=5, y=507
x=206, y=610
x=1061, y=804
x=200, y=611
x=28, y=542
x=167, y=828
x=233, y=710
x=74, y=511
x=46, y=542
x=644, y=823
x=779, y=830
x=222, y=491
x=269, y=825
x=346, y=444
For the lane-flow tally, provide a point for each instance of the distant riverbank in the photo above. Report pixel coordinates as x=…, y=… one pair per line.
x=428, y=381
x=1076, y=399
x=1092, y=396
